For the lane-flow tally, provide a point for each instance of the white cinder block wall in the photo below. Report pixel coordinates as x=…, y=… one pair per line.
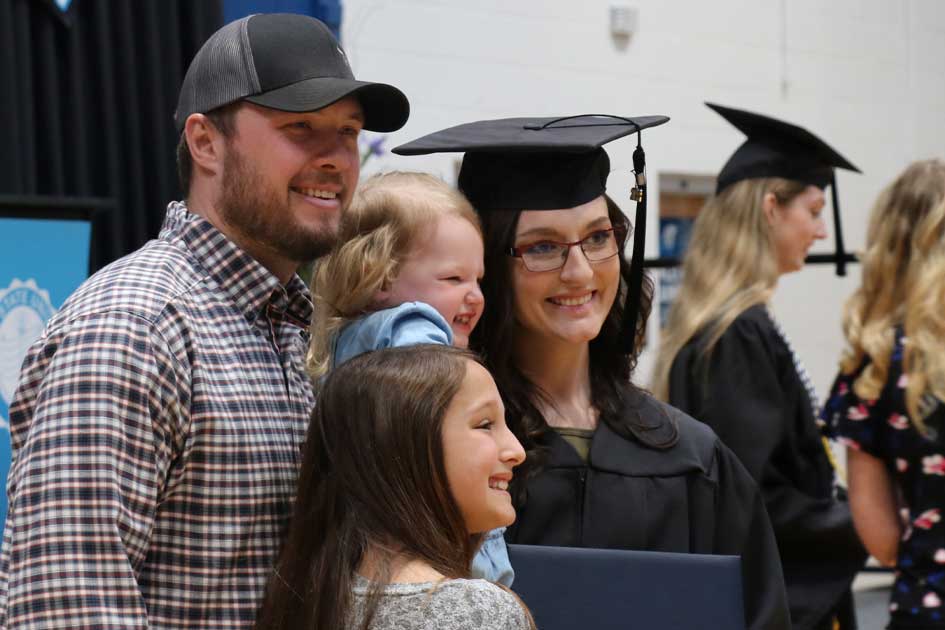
x=866, y=75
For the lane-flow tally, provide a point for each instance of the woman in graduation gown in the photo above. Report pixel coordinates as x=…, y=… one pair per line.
x=725, y=359
x=609, y=466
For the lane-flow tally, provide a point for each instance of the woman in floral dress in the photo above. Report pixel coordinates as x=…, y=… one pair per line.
x=886, y=402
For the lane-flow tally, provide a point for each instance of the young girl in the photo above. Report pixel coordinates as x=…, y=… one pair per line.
x=406, y=271
x=406, y=462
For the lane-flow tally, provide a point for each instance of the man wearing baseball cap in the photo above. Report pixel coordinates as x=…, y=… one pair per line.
x=157, y=423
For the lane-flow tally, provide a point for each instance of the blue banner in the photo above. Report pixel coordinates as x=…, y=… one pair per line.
x=42, y=261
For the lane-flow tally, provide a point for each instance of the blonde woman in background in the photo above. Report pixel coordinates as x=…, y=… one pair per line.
x=725, y=360
x=886, y=401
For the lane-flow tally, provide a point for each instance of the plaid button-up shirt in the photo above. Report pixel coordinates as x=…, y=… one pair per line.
x=156, y=434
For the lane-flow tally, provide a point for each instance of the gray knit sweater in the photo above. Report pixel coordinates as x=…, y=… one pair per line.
x=452, y=604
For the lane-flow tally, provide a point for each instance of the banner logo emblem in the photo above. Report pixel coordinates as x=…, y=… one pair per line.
x=24, y=311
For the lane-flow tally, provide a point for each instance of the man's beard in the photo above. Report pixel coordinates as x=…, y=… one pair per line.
x=248, y=205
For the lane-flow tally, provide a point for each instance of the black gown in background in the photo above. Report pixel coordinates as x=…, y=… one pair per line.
x=749, y=392
x=694, y=497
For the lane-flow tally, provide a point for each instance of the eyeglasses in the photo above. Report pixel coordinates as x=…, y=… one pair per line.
x=597, y=246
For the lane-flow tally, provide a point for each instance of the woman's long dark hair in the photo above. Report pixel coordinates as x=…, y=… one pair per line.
x=372, y=477
x=612, y=393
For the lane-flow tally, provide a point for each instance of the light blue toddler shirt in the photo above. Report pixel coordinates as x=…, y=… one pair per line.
x=409, y=324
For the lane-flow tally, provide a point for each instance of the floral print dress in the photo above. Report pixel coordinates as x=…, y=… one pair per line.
x=882, y=428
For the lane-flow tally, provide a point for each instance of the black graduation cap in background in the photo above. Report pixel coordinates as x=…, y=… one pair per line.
x=546, y=164
x=775, y=148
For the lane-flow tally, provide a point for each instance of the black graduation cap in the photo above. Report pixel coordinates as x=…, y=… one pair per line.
x=546, y=164
x=775, y=148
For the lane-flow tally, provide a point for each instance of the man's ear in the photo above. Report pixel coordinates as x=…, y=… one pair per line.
x=770, y=205
x=205, y=142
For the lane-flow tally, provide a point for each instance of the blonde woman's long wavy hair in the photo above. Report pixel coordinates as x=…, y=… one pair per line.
x=903, y=284
x=729, y=266
x=389, y=216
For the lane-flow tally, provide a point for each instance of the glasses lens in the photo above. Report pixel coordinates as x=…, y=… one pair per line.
x=544, y=256
x=600, y=245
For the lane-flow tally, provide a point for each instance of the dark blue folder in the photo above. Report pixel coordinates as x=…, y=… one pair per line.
x=606, y=589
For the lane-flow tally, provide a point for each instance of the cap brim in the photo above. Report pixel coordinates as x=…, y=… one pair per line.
x=385, y=107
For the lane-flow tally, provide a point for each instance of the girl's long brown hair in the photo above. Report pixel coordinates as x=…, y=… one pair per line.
x=372, y=476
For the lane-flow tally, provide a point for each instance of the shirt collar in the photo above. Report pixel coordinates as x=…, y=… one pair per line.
x=241, y=277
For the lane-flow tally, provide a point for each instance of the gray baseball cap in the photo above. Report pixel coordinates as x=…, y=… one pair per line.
x=283, y=61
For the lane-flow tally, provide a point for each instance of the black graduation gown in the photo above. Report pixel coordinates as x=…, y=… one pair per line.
x=694, y=497
x=749, y=392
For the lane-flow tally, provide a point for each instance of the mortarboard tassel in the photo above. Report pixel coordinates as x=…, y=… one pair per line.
x=634, y=291
x=841, y=253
